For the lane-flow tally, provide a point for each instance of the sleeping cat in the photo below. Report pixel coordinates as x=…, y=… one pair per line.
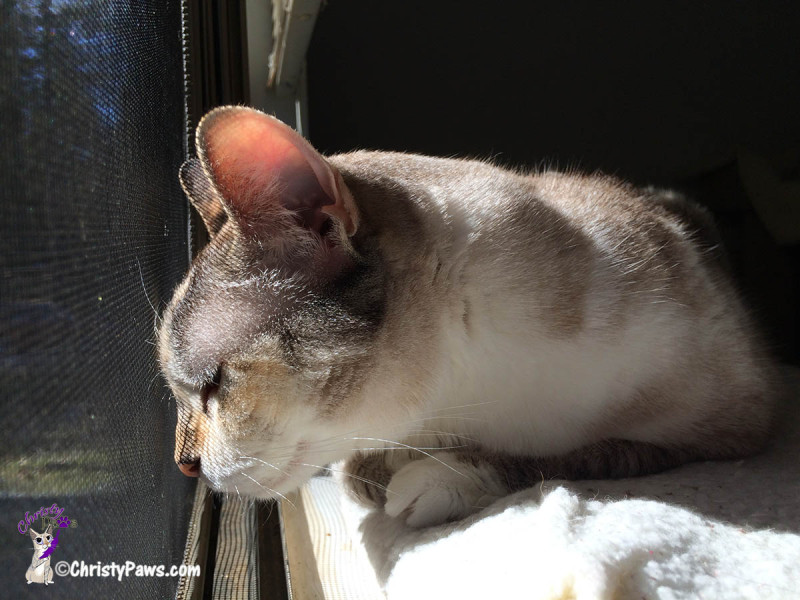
x=40, y=571
x=451, y=330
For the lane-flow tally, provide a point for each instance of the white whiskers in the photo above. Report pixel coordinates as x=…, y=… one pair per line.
x=411, y=448
x=265, y=463
x=269, y=489
x=356, y=477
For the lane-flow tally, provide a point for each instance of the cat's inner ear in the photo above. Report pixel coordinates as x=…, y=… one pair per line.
x=202, y=194
x=264, y=171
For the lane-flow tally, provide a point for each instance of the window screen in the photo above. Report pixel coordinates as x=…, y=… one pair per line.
x=94, y=233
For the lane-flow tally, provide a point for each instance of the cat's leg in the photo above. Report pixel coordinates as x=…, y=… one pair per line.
x=442, y=486
x=448, y=486
x=366, y=474
x=445, y=486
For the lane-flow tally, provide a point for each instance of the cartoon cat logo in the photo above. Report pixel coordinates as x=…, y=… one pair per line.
x=40, y=571
x=43, y=546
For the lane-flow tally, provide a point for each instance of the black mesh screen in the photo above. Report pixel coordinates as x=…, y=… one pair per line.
x=94, y=235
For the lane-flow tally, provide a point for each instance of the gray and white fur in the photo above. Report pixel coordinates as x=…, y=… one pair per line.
x=450, y=330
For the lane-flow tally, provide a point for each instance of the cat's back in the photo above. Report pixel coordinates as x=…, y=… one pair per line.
x=604, y=288
x=495, y=196
x=553, y=235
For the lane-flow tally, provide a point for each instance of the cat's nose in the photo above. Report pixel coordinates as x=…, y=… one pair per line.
x=190, y=467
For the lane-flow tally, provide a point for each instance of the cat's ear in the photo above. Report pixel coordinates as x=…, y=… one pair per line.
x=49, y=530
x=33, y=534
x=268, y=175
x=202, y=194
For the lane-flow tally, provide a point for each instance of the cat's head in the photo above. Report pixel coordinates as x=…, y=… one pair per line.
x=42, y=541
x=266, y=342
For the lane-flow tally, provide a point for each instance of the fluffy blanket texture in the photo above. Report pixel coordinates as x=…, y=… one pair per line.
x=705, y=530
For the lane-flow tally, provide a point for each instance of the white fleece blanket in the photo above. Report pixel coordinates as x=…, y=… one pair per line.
x=706, y=530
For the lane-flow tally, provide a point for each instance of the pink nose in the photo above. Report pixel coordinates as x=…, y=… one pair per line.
x=190, y=469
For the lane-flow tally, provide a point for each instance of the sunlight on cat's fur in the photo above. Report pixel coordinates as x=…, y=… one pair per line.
x=449, y=329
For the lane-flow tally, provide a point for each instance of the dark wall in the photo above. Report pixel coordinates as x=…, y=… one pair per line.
x=654, y=90
x=659, y=92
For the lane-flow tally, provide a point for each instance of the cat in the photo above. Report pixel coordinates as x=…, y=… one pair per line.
x=40, y=571
x=447, y=330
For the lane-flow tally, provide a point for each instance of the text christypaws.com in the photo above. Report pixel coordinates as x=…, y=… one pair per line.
x=79, y=568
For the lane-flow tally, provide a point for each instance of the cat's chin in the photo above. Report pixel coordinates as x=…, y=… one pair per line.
x=261, y=487
x=267, y=490
x=254, y=477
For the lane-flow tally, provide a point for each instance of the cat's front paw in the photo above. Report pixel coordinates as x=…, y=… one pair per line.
x=441, y=488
